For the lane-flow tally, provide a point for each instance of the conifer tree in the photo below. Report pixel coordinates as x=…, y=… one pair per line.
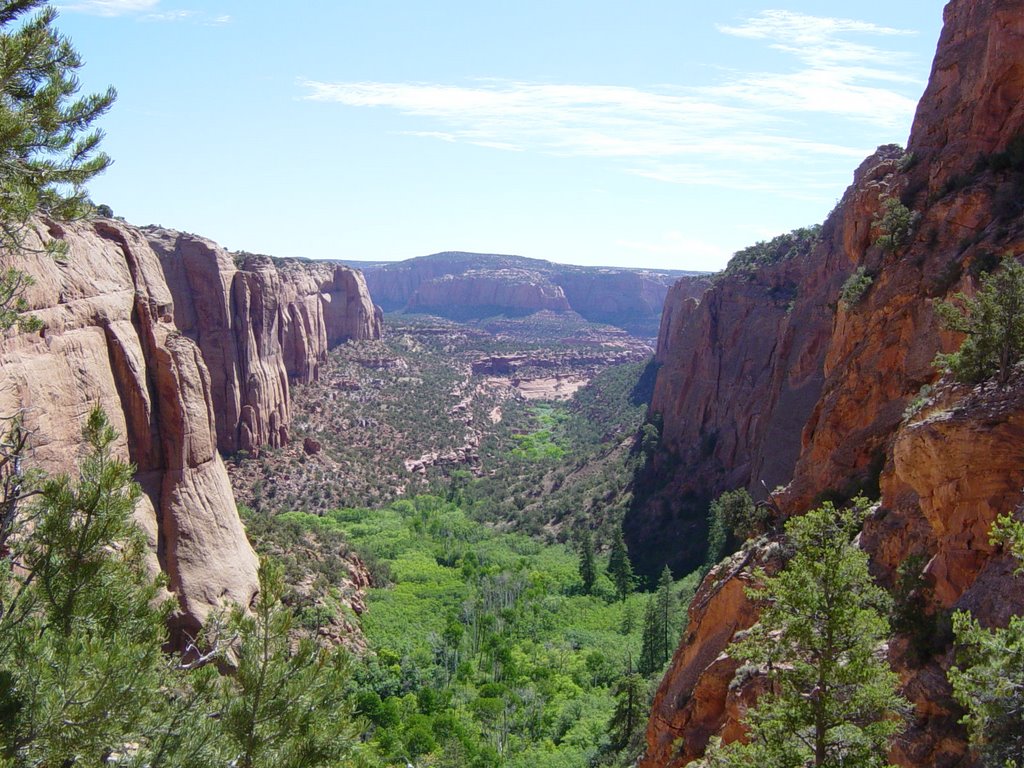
x=988, y=679
x=993, y=322
x=620, y=569
x=48, y=147
x=285, y=706
x=80, y=636
x=833, y=699
x=630, y=714
x=659, y=619
x=588, y=566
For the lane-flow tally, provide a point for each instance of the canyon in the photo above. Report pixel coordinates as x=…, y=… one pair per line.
x=773, y=379
x=190, y=354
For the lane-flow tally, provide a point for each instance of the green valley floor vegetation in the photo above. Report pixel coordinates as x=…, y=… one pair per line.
x=485, y=648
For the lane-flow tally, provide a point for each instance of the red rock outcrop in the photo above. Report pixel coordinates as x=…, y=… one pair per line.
x=187, y=353
x=942, y=475
x=260, y=324
x=110, y=339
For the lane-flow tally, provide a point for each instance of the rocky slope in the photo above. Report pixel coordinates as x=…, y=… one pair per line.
x=186, y=353
x=462, y=285
x=813, y=393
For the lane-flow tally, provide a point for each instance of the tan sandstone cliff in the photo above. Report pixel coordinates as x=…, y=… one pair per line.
x=942, y=474
x=121, y=326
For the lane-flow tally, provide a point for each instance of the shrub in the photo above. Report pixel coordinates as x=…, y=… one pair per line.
x=855, y=287
x=896, y=223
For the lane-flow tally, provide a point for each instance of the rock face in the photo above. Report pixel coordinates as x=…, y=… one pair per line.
x=479, y=292
x=259, y=324
x=464, y=285
x=816, y=398
x=175, y=343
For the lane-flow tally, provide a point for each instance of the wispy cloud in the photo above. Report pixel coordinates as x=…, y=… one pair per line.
x=749, y=120
x=109, y=7
x=143, y=10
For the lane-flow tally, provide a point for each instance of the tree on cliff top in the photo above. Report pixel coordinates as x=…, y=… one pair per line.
x=48, y=148
x=832, y=699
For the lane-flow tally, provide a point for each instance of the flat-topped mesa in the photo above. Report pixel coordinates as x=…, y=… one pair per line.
x=260, y=323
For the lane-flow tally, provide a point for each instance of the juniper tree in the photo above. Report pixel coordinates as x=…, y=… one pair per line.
x=833, y=698
x=49, y=149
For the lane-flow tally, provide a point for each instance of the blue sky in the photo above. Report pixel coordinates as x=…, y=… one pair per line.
x=659, y=133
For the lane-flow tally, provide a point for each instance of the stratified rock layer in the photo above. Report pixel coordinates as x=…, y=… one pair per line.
x=464, y=285
x=260, y=324
x=175, y=347
x=817, y=398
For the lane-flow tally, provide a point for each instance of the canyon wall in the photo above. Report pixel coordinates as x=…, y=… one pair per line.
x=175, y=343
x=814, y=394
x=260, y=324
x=462, y=285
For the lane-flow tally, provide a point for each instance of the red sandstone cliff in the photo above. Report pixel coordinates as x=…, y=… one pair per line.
x=175, y=347
x=259, y=325
x=943, y=475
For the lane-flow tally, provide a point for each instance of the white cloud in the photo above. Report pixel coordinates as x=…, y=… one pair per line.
x=747, y=122
x=109, y=7
x=143, y=10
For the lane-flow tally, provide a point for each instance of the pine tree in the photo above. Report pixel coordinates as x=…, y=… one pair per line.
x=48, y=149
x=285, y=705
x=988, y=679
x=620, y=569
x=659, y=620
x=650, y=640
x=993, y=322
x=80, y=634
x=630, y=714
x=588, y=566
x=833, y=699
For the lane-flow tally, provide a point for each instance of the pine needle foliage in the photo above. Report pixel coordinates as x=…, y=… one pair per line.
x=49, y=149
x=81, y=632
x=285, y=705
x=993, y=322
x=833, y=698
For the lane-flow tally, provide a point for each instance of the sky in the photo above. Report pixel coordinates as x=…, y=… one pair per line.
x=658, y=133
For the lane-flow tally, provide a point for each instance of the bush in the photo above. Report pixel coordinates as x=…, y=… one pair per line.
x=855, y=287
x=896, y=223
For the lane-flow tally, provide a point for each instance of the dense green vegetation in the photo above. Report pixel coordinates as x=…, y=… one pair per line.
x=486, y=648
